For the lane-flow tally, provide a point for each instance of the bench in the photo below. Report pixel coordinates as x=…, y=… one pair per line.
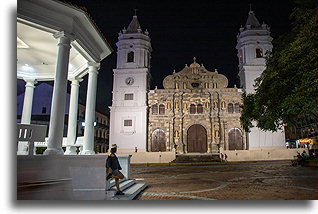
x=31, y=133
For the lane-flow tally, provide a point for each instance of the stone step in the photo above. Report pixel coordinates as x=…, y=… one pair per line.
x=131, y=192
x=112, y=182
x=196, y=158
x=123, y=185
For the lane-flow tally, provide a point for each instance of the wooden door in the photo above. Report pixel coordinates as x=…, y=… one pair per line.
x=197, y=139
x=235, y=140
x=158, y=141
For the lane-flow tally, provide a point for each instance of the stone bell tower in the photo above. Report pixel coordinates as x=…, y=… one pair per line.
x=253, y=43
x=128, y=115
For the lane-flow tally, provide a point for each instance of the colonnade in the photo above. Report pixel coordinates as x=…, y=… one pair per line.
x=55, y=138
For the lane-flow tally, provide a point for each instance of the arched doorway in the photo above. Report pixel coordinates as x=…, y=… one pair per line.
x=235, y=139
x=158, y=142
x=197, y=139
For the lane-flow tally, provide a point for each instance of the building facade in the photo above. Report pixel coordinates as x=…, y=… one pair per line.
x=196, y=112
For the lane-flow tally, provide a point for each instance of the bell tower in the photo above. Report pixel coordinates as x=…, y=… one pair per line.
x=128, y=113
x=253, y=43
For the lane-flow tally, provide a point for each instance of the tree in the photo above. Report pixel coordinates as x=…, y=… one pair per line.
x=287, y=89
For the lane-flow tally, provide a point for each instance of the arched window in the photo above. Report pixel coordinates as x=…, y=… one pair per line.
x=240, y=56
x=130, y=56
x=200, y=109
x=237, y=108
x=161, y=109
x=154, y=109
x=230, y=108
x=259, y=53
x=192, y=109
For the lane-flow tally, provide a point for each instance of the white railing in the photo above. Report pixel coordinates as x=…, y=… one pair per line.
x=31, y=133
x=35, y=136
x=79, y=143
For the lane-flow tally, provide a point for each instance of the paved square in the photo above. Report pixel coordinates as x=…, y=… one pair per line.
x=232, y=181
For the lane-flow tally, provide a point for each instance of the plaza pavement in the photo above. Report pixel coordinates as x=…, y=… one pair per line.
x=229, y=181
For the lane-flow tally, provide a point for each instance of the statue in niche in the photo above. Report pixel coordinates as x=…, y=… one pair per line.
x=217, y=133
x=176, y=133
x=215, y=105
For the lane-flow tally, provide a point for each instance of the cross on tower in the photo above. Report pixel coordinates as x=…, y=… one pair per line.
x=250, y=7
x=135, y=12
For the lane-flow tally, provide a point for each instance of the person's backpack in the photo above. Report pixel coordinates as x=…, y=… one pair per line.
x=108, y=162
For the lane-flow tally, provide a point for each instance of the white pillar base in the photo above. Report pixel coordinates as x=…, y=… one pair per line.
x=70, y=150
x=22, y=148
x=87, y=152
x=54, y=151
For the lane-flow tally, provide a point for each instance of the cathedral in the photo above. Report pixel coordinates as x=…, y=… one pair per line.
x=196, y=111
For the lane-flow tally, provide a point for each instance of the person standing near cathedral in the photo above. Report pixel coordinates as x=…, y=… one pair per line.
x=113, y=167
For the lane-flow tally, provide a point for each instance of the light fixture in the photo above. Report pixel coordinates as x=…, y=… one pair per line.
x=83, y=124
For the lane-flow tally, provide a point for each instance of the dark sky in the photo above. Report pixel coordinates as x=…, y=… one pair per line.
x=180, y=30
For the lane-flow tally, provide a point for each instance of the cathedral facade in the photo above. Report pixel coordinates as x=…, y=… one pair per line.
x=196, y=112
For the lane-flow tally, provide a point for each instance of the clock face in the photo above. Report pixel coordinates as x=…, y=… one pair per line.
x=129, y=81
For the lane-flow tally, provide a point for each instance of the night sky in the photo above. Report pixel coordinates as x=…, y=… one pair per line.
x=179, y=31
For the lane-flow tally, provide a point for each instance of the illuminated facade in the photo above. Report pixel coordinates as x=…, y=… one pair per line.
x=195, y=113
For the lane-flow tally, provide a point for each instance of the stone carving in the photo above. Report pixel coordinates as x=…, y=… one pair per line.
x=207, y=91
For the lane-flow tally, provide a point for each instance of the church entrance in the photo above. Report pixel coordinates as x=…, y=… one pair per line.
x=158, y=143
x=235, y=140
x=197, y=139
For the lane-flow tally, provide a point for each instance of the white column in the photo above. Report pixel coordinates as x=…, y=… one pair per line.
x=27, y=103
x=26, y=112
x=72, y=118
x=54, y=146
x=88, y=147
